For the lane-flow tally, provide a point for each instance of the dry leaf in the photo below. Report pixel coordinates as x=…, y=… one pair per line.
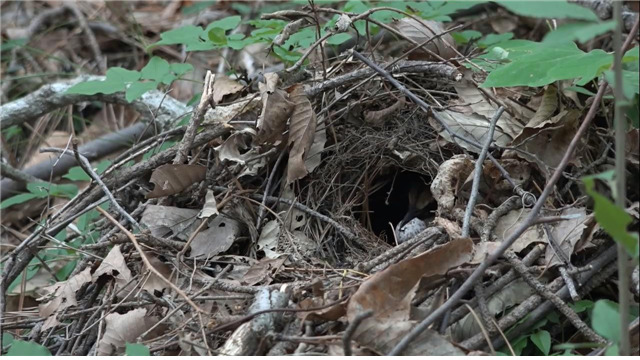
x=566, y=233
x=449, y=180
x=313, y=159
x=224, y=114
x=268, y=240
x=171, y=179
x=546, y=144
x=210, y=207
x=165, y=220
x=218, y=237
x=389, y=294
x=471, y=126
x=508, y=223
x=301, y=133
x=276, y=110
x=64, y=294
x=547, y=107
x=223, y=86
x=122, y=329
x=154, y=283
x=114, y=265
x=421, y=31
x=379, y=117
x=263, y=271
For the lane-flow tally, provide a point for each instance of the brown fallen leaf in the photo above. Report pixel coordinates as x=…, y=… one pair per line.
x=302, y=130
x=378, y=118
x=63, y=295
x=115, y=265
x=165, y=220
x=450, y=178
x=389, y=293
x=223, y=86
x=122, y=329
x=276, y=110
x=218, y=237
x=421, y=31
x=171, y=179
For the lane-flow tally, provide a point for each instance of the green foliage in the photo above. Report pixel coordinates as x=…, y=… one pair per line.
x=544, y=9
x=580, y=31
x=613, y=219
x=137, y=350
x=538, y=64
x=40, y=190
x=11, y=132
x=77, y=174
x=27, y=348
x=581, y=305
x=542, y=339
x=466, y=36
x=605, y=320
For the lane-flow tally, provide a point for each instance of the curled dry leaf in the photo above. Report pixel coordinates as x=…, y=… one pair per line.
x=210, y=207
x=389, y=294
x=276, y=110
x=301, y=133
x=223, y=86
x=449, y=180
x=122, y=329
x=224, y=114
x=115, y=265
x=379, y=117
x=237, y=148
x=171, y=179
x=423, y=30
x=63, y=295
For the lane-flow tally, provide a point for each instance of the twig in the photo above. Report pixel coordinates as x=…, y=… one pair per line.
x=351, y=329
x=553, y=298
x=511, y=203
x=306, y=54
x=86, y=166
x=146, y=262
x=196, y=118
x=475, y=276
x=478, y=173
x=7, y=170
x=267, y=190
x=102, y=65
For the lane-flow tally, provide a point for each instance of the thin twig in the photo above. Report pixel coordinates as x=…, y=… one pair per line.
x=7, y=170
x=196, y=119
x=477, y=175
x=351, y=329
x=146, y=262
x=86, y=166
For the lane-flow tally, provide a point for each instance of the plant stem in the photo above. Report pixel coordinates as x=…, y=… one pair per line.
x=620, y=131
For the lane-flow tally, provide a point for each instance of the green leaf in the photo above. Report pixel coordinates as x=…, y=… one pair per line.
x=542, y=339
x=580, y=90
x=463, y=37
x=537, y=64
x=155, y=69
x=580, y=31
x=581, y=305
x=285, y=55
x=303, y=38
x=64, y=190
x=492, y=39
x=135, y=90
x=180, y=69
x=545, y=9
x=191, y=36
x=217, y=36
x=27, y=348
x=605, y=320
x=77, y=174
x=11, y=131
x=116, y=80
x=519, y=345
x=611, y=217
x=66, y=270
x=7, y=339
x=338, y=39
x=137, y=350
x=228, y=23
x=630, y=82
x=17, y=199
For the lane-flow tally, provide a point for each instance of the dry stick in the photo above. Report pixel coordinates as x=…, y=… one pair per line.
x=196, y=119
x=478, y=173
x=86, y=166
x=440, y=120
x=555, y=299
x=566, y=262
x=621, y=190
x=351, y=329
x=267, y=190
x=102, y=65
x=7, y=170
x=146, y=262
x=479, y=272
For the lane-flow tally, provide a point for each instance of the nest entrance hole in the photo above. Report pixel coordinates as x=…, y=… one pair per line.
x=388, y=204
